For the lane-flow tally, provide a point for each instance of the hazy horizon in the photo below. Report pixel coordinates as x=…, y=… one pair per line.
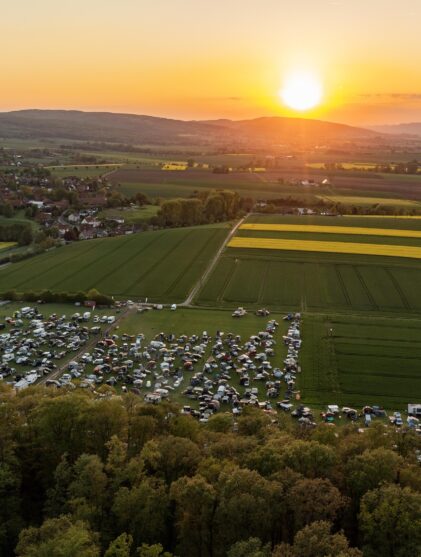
x=215, y=60
x=216, y=118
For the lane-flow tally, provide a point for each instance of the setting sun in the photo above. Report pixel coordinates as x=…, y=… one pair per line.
x=301, y=91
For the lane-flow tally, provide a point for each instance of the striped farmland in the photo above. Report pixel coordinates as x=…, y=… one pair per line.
x=412, y=252
x=318, y=229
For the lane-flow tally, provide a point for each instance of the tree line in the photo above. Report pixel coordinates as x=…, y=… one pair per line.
x=16, y=232
x=48, y=296
x=204, y=208
x=290, y=204
x=90, y=475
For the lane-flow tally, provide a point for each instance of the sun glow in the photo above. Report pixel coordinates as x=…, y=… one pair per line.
x=301, y=91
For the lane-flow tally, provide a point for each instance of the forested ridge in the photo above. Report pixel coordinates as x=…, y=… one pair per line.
x=88, y=475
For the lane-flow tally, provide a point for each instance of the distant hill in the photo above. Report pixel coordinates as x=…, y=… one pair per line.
x=413, y=128
x=281, y=129
x=135, y=129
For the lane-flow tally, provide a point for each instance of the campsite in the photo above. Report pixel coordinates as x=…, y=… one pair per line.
x=347, y=361
x=195, y=357
x=210, y=271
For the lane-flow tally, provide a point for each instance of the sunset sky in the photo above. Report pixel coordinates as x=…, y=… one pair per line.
x=213, y=58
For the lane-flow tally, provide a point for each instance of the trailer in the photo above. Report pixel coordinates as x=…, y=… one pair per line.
x=414, y=410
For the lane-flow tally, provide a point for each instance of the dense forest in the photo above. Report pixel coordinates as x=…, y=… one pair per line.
x=89, y=475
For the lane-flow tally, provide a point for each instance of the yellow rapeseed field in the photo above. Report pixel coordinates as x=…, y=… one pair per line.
x=7, y=245
x=175, y=166
x=318, y=229
x=412, y=252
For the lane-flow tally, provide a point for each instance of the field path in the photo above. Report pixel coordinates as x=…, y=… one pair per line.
x=260, y=177
x=108, y=174
x=188, y=301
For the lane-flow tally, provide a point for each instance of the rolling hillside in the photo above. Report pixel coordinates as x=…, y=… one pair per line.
x=412, y=128
x=136, y=129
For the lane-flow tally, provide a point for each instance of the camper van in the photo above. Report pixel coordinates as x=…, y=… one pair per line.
x=414, y=410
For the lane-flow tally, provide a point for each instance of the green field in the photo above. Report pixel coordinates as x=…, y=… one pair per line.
x=316, y=281
x=132, y=215
x=353, y=361
x=19, y=218
x=159, y=183
x=6, y=245
x=367, y=201
x=162, y=265
x=82, y=170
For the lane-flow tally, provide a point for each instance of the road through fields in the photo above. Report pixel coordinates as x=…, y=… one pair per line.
x=211, y=266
